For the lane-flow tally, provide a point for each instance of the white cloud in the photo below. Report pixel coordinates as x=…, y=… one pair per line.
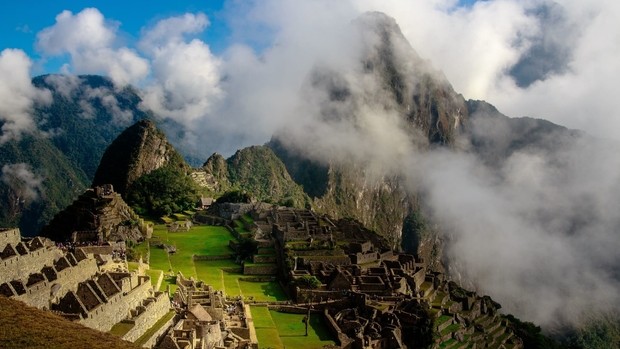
x=17, y=95
x=173, y=30
x=20, y=178
x=91, y=43
x=533, y=234
x=186, y=76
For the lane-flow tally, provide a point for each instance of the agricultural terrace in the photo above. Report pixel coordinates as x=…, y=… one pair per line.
x=283, y=330
x=274, y=329
x=223, y=274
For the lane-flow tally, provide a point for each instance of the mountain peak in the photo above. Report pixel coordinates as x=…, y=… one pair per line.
x=139, y=150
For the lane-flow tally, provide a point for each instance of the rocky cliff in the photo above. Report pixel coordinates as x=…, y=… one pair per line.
x=430, y=111
x=97, y=214
x=137, y=151
x=256, y=170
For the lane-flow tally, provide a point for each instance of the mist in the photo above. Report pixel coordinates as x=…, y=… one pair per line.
x=20, y=178
x=537, y=231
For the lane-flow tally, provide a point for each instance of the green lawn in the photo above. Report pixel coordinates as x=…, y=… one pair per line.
x=121, y=328
x=151, y=331
x=266, y=330
x=213, y=274
x=199, y=240
x=140, y=250
x=211, y=271
x=154, y=274
x=282, y=330
x=159, y=259
x=262, y=291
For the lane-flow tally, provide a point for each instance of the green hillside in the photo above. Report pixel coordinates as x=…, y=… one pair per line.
x=22, y=326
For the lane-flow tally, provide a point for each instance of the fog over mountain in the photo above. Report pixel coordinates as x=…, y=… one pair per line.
x=537, y=229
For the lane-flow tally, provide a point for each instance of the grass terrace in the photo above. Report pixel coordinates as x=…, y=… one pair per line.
x=222, y=274
x=283, y=330
x=151, y=331
x=276, y=330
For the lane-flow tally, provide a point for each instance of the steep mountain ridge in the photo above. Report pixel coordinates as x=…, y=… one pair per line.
x=36, y=181
x=256, y=170
x=431, y=113
x=86, y=113
x=137, y=151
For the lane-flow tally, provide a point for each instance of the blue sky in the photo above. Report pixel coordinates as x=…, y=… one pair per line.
x=20, y=21
x=482, y=47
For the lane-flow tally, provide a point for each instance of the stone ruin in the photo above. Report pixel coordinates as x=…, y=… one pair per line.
x=208, y=320
x=77, y=286
x=371, y=296
x=97, y=215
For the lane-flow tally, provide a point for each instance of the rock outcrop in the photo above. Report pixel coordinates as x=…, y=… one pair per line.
x=139, y=150
x=256, y=170
x=430, y=111
x=98, y=214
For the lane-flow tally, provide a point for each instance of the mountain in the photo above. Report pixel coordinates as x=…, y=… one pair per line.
x=494, y=136
x=146, y=170
x=87, y=112
x=98, y=214
x=139, y=150
x=430, y=112
x=59, y=160
x=256, y=170
x=37, y=181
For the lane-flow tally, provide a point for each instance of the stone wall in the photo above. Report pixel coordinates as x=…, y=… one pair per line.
x=342, y=339
x=363, y=258
x=19, y=266
x=260, y=269
x=37, y=295
x=264, y=258
x=154, y=308
x=9, y=236
x=159, y=334
x=118, y=307
x=335, y=260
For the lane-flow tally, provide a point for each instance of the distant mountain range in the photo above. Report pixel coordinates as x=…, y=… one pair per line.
x=44, y=172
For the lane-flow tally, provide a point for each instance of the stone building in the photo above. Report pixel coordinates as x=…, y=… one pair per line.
x=79, y=286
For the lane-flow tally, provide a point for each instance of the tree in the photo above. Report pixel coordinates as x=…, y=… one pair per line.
x=308, y=281
x=163, y=192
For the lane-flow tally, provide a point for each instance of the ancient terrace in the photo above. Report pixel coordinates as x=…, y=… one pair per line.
x=365, y=294
x=76, y=285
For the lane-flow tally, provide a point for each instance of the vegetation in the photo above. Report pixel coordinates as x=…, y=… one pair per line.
x=599, y=333
x=22, y=326
x=308, y=281
x=55, y=183
x=414, y=228
x=283, y=330
x=235, y=196
x=311, y=175
x=85, y=133
x=163, y=191
x=532, y=336
x=258, y=172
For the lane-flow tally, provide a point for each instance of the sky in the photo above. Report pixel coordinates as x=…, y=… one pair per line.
x=550, y=59
x=536, y=233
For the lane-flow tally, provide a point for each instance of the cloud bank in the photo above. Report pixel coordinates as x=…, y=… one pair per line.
x=91, y=42
x=20, y=178
x=538, y=232
x=17, y=95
